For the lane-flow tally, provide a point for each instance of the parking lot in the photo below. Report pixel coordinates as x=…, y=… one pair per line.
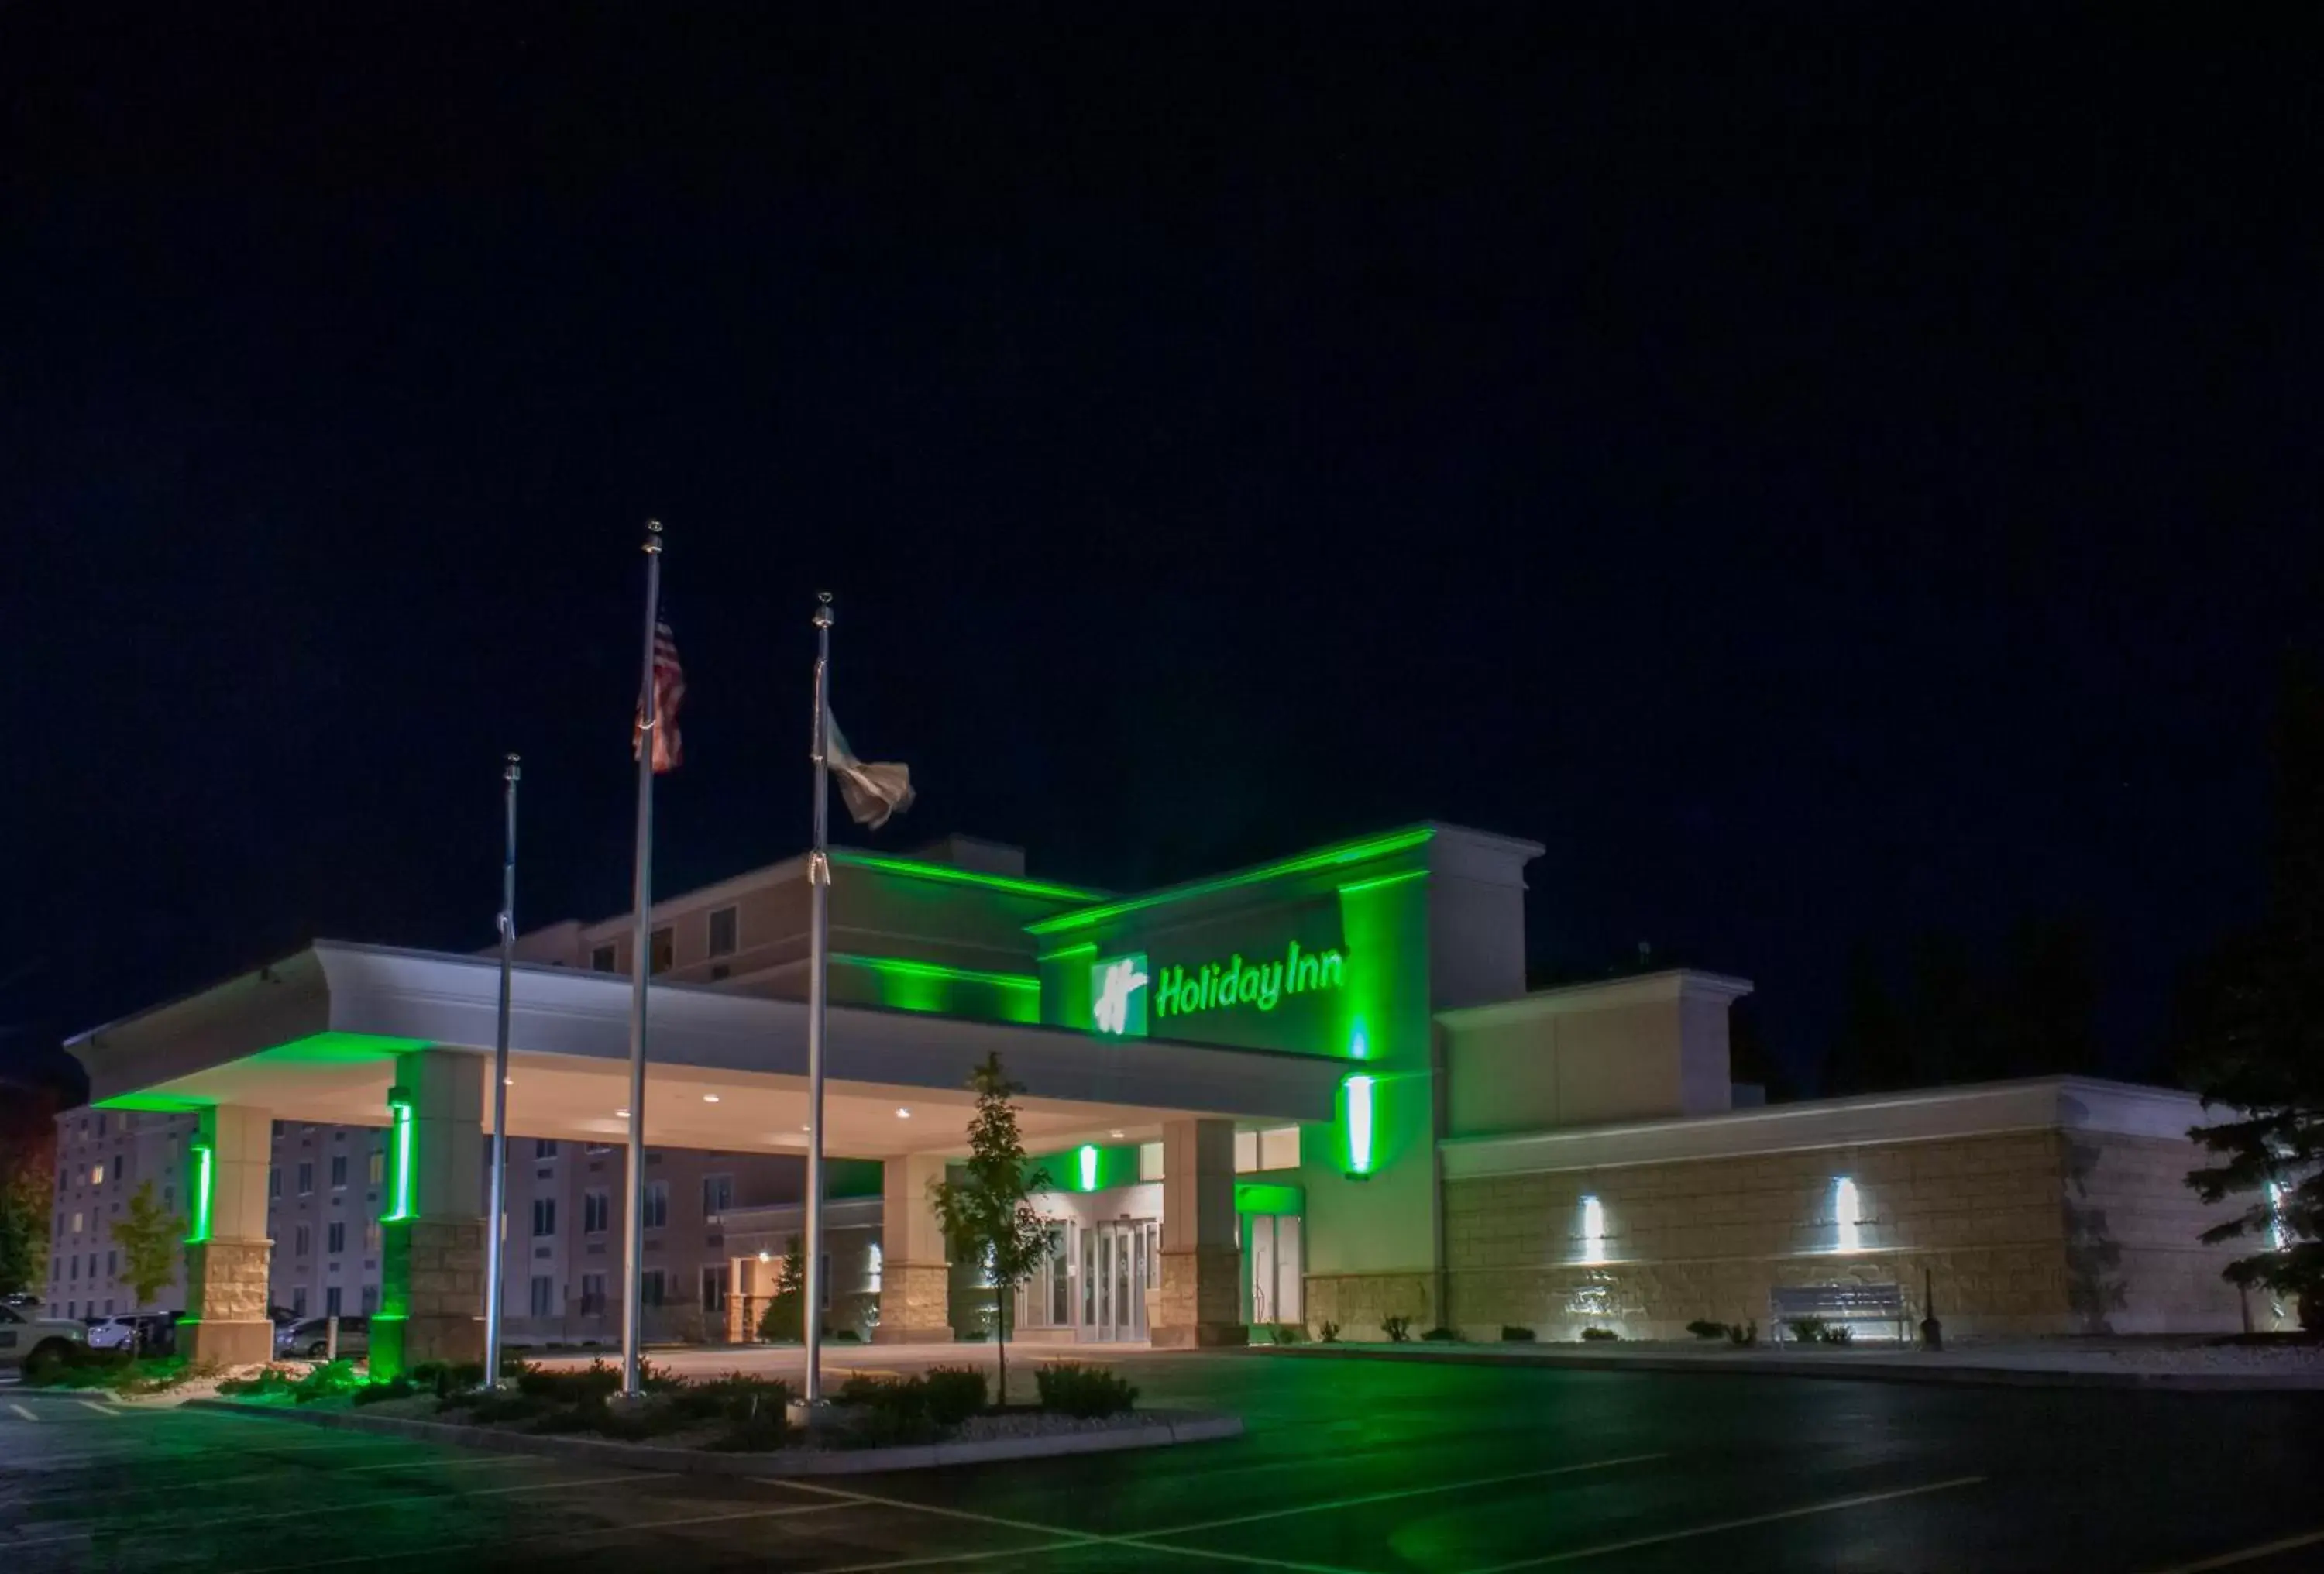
x=1361, y=1466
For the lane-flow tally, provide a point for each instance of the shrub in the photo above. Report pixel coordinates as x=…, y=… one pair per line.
x=1398, y=1329
x=1808, y=1330
x=1287, y=1333
x=1702, y=1329
x=1083, y=1391
x=955, y=1394
x=1838, y=1334
x=266, y=1383
x=1743, y=1335
x=78, y=1367
x=846, y=1336
x=1329, y=1333
x=571, y=1385
x=1598, y=1335
x=886, y=1427
x=1512, y=1335
x=327, y=1379
x=762, y=1430
x=379, y=1393
x=491, y=1407
x=1442, y=1335
x=903, y=1395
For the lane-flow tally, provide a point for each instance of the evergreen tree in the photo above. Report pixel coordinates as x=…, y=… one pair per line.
x=785, y=1319
x=987, y=1215
x=148, y=1235
x=2252, y=1036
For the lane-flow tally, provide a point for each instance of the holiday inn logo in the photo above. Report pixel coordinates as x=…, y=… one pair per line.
x=1117, y=994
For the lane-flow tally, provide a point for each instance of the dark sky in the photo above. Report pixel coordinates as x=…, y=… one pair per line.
x=1823, y=471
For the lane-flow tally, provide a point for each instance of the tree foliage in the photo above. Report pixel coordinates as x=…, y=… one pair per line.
x=785, y=1319
x=24, y=1227
x=148, y=1235
x=987, y=1215
x=2250, y=1035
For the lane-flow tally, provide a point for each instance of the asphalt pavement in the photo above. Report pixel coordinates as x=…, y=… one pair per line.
x=1370, y=1467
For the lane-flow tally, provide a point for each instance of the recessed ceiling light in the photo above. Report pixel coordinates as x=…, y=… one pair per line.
x=507, y=1081
x=710, y=1097
x=621, y=1115
x=1114, y=1134
x=903, y=1114
x=807, y=1128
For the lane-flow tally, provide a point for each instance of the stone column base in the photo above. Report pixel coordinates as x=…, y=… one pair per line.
x=214, y=1341
x=914, y=1304
x=1201, y=1302
x=442, y=1289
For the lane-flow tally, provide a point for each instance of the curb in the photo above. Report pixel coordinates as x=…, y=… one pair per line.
x=1187, y=1427
x=1820, y=1368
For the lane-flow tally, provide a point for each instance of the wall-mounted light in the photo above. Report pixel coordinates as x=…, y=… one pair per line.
x=1089, y=1167
x=399, y=1110
x=204, y=1173
x=1846, y=1237
x=1593, y=1229
x=1359, y=1128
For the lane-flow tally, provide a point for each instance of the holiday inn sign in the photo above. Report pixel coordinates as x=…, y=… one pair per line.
x=1124, y=994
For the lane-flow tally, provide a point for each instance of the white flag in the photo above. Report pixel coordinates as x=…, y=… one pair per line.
x=870, y=792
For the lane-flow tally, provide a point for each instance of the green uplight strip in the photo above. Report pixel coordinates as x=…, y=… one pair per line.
x=1086, y=948
x=401, y=1195
x=945, y=872
x=1345, y=852
x=205, y=1180
x=1352, y=886
x=897, y=967
x=1360, y=1125
x=1089, y=1167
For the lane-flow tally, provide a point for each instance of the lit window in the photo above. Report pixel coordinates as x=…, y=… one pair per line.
x=724, y=931
x=1246, y=1149
x=97, y=1175
x=77, y=1221
x=1278, y=1149
x=1149, y=1161
x=376, y=1170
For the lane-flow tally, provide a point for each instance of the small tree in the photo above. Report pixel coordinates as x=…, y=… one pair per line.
x=148, y=1236
x=986, y=1214
x=24, y=1227
x=785, y=1319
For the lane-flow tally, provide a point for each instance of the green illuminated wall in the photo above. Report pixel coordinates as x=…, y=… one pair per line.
x=900, y=985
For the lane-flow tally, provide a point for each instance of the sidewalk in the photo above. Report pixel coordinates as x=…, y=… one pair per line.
x=2186, y=1366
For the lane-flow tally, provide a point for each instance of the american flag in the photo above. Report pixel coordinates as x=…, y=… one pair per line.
x=668, y=691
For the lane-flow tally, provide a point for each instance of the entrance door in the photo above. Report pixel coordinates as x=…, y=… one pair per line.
x=1118, y=1264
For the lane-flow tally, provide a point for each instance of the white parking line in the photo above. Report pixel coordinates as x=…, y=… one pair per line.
x=105, y=1410
x=2246, y=1554
x=1392, y=1496
x=1834, y=1506
x=19, y=1410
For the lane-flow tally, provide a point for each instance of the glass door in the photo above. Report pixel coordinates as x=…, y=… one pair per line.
x=1118, y=1262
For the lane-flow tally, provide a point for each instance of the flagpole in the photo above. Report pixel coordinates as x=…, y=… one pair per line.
x=497, y=1245
x=640, y=945
x=819, y=925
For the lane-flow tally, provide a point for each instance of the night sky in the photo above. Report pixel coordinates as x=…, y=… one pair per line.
x=1824, y=471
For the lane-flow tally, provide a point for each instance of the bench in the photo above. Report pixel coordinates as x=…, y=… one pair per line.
x=1841, y=1303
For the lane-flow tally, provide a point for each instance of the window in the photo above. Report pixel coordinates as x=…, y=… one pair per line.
x=76, y=1219
x=307, y=1179
x=100, y=1126
x=335, y=1237
x=593, y=1294
x=370, y=1300
x=112, y=1263
x=97, y=1175
x=544, y=1296
x=713, y=1288
x=375, y=1170
x=338, y=1171
x=718, y=1193
x=596, y=1210
x=1278, y=1149
x=331, y=1302
x=371, y=1235
x=544, y=1216
x=724, y=925
x=274, y=1183
x=545, y=1148
x=878, y=1262
x=299, y=1300
x=601, y=960
x=120, y=1171
x=655, y=1212
x=661, y=950
x=75, y=1265
x=304, y=1241
x=650, y=1287
x=1246, y=1146
x=1149, y=1161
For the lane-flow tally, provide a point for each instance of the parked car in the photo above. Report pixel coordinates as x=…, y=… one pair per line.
x=157, y=1333
x=29, y=1341
x=112, y=1333
x=312, y=1337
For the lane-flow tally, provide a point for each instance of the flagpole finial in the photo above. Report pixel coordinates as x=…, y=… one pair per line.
x=653, y=535
x=512, y=772
x=822, y=609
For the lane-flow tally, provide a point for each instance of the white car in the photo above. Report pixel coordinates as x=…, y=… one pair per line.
x=26, y=1340
x=112, y=1333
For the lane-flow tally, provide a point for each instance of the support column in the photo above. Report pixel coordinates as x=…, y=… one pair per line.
x=432, y=1262
x=915, y=1277
x=1200, y=1302
x=229, y=1256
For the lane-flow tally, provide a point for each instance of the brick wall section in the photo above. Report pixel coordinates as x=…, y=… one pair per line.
x=2043, y=1232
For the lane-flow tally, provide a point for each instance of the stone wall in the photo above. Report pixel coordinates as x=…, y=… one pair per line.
x=2037, y=1232
x=1200, y=1299
x=1358, y=1302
